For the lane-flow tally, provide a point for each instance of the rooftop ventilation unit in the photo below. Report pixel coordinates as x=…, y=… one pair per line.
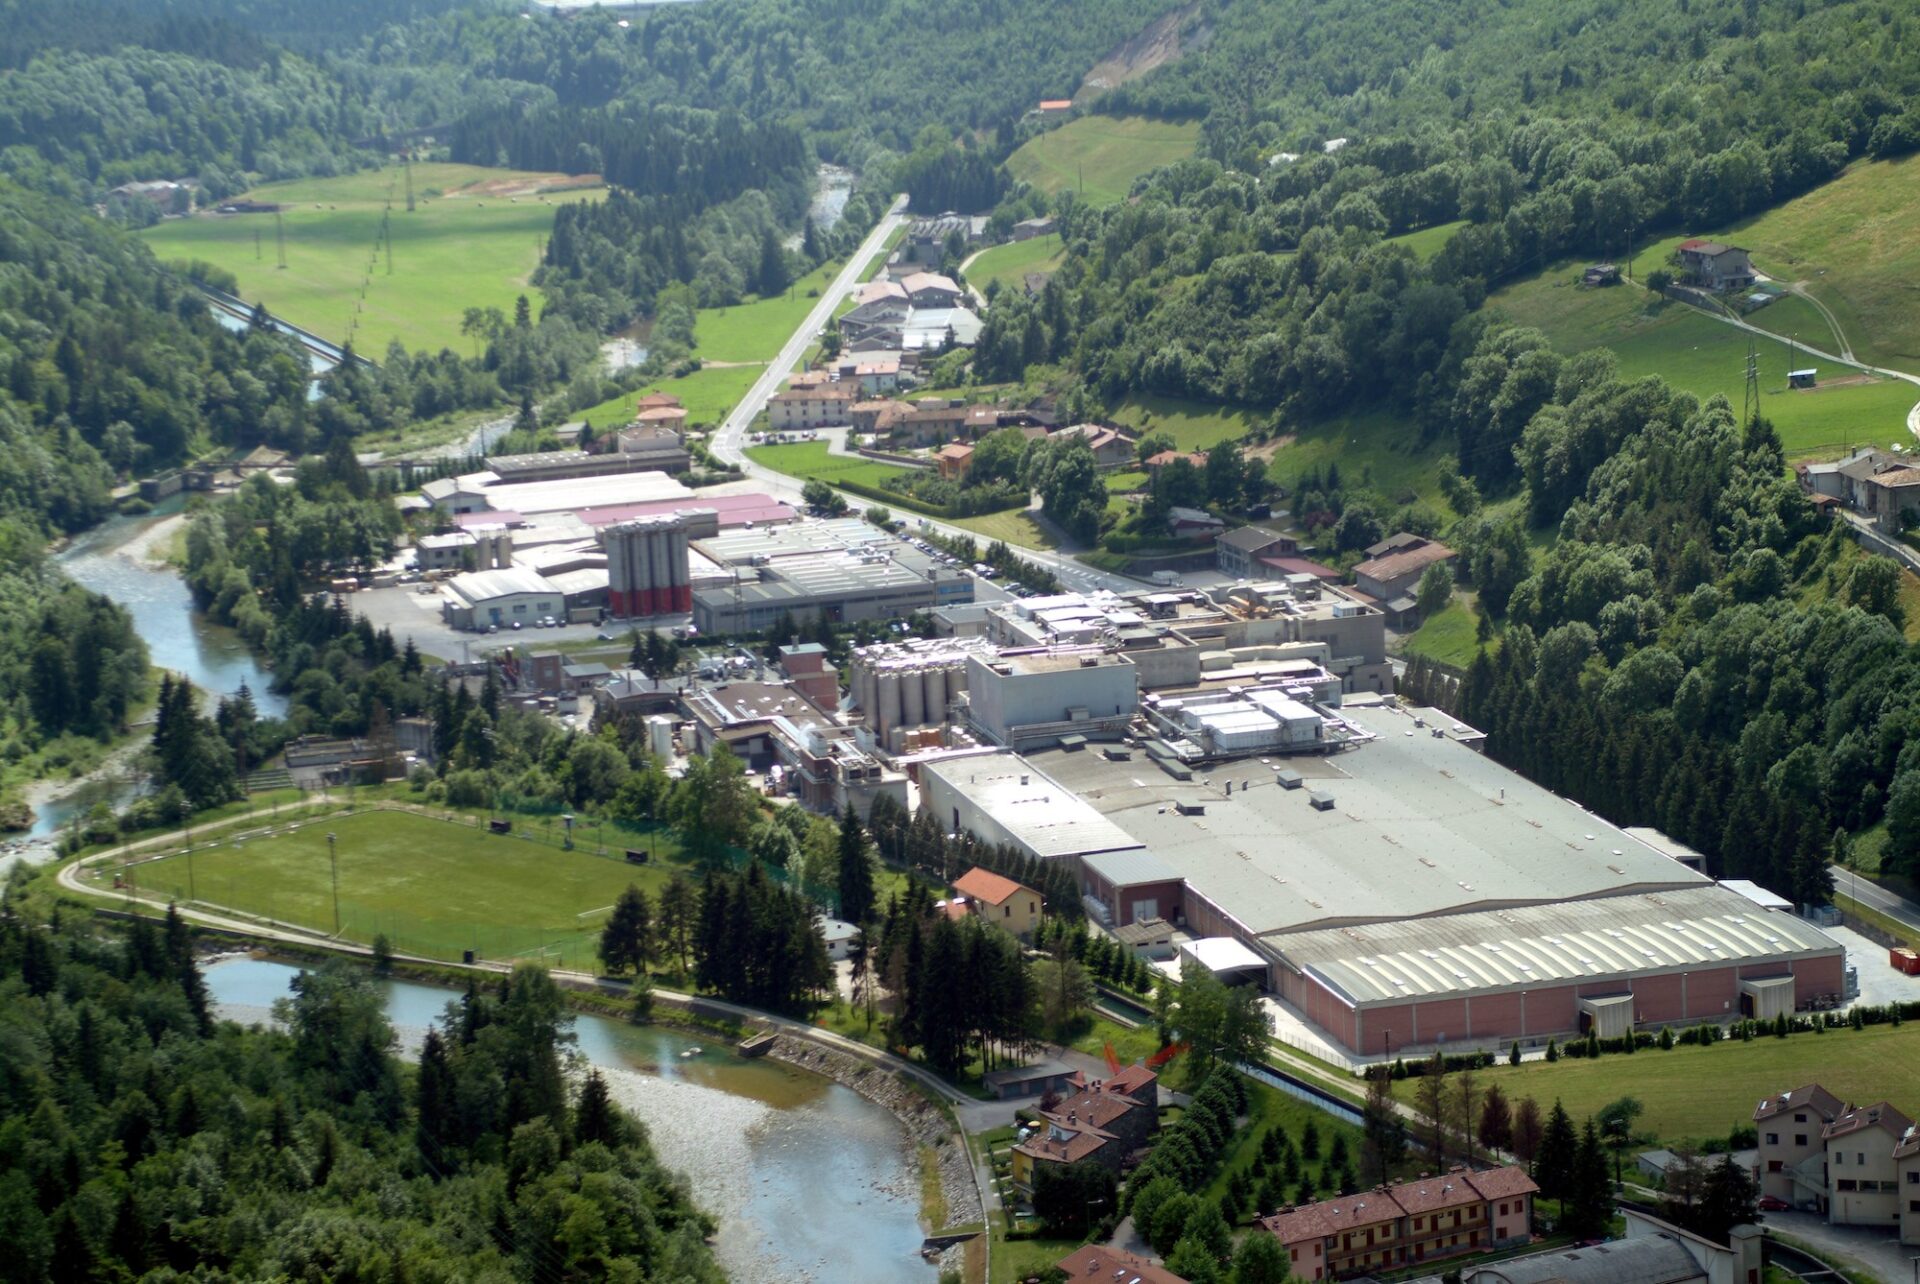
x=1320, y=800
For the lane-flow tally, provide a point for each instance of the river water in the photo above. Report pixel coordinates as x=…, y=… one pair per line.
x=180, y=639
x=808, y=1180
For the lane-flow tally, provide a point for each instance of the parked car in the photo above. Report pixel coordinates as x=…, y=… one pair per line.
x=1772, y=1204
x=516, y=624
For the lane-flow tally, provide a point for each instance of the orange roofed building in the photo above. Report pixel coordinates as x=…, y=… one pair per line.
x=1114, y=1266
x=1010, y=906
x=1103, y=1121
x=1410, y=1222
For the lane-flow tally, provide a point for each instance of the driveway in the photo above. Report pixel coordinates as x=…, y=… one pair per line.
x=1877, y=1252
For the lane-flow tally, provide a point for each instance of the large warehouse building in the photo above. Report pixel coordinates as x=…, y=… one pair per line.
x=1411, y=892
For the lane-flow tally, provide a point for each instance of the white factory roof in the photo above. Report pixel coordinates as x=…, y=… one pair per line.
x=483, y=586
x=1220, y=954
x=1757, y=894
x=1614, y=936
x=1420, y=825
x=1037, y=810
x=534, y=497
x=1132, y=868
x=590, y=579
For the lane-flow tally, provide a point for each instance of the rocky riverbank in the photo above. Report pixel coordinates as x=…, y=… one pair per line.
x=926, y=1123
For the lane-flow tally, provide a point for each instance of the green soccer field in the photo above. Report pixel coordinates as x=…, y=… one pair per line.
x=473, y=239
x=434, y=887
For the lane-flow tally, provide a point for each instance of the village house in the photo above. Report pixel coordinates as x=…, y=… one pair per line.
x=930, y=290
x=1111, y=448
x=926, y=240
x=1855, y=1165
x=1715, y=266
x=1239, y=552
x=655, y=443
x=953, y=460
x=879, y=416
x=1393, y=575
x=1010, y=906
x=1193, y=523
x=1405, y=1224
x=1155, y=463
x=1028, y=228
x=1103, y=1121
x=877, y=376
x=1882, y=486
x=1098, y=1264
x=827, y=406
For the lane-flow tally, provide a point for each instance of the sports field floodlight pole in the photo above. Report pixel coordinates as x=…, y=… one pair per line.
x=186, y=811
x=334, y=861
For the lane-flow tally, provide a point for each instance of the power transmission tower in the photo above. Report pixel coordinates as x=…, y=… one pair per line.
x=1750, y=405
x=280, y=236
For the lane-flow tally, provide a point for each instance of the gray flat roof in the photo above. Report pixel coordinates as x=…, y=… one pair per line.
x=1030, y=805
x=1614, y=936
x=1420, y=825
x=1130, y=868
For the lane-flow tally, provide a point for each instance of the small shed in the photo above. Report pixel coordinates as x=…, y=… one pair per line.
x=1041, y=1077
x=1607, y=1015
x=838, y=934
x=1762, y=998
x=1803, y=378
x=1149, y=938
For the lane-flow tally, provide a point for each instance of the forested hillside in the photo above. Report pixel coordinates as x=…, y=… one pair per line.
x=138, y=1135
x=109, y=364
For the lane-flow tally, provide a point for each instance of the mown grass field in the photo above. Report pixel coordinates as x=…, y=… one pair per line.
x=708, y=394
x=1100, y=156
x=1009, y=264
x=1193, y=425
x=812, y=461
x=1854, y=244
x=1014, y=526
x=1700, y=1093
x=754, y=331
x=472, y=246
x=1698, y=354
x=1428, y=241
x=434, y=887
x=1377, y=450
x=1448, y=636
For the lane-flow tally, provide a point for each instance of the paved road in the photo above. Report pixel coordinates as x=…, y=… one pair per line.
x=1874, y=896
x=729, y=442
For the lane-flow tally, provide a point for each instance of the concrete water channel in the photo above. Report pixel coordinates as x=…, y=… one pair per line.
x=808, y=1180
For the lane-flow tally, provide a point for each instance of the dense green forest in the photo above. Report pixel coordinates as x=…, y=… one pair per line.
x=141, y=1138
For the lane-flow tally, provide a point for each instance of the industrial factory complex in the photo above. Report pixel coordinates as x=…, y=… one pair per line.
x=1226, y=770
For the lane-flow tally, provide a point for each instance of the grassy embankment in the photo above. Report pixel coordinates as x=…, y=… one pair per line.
x=1428, y=241
x=1009, y=264
x=473, y=245
x=813, y=461
x=1100, y=156
x=1697, y=354
x=1700, y=1093
x=735, y=343
x=1853, y=244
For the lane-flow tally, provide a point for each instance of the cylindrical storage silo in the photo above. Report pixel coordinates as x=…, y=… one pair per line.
x=956, y=679
x=682, y=570
x=913, y=698
x=640, y=597
x=889, y=684
x=660, y=548
x=936, y=693
x=660, y=735
x=616, y=571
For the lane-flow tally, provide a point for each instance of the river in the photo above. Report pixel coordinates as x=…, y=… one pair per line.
x=109, y=560
x=808, y=1180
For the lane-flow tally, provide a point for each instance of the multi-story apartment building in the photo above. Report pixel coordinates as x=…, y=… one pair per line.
x=1402, y=1225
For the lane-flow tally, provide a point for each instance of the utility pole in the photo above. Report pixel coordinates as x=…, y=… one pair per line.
x=333, y=860
x=186, y=811
x=280, y=236
x=1750, y=404
x=407, y=161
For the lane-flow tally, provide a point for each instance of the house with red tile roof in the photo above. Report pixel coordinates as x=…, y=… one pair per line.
x=1096, y=1262
x=1010, y=906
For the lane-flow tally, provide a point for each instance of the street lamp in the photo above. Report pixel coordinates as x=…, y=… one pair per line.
x=567, y=820
x=333, y=860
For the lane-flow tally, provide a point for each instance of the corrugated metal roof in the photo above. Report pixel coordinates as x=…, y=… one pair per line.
x=1612, y=936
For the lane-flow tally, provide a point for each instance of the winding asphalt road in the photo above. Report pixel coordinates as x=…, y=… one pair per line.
x=729, y=442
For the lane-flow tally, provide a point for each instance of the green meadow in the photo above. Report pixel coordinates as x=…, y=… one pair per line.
x=473, y=239
x=1100, y=156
